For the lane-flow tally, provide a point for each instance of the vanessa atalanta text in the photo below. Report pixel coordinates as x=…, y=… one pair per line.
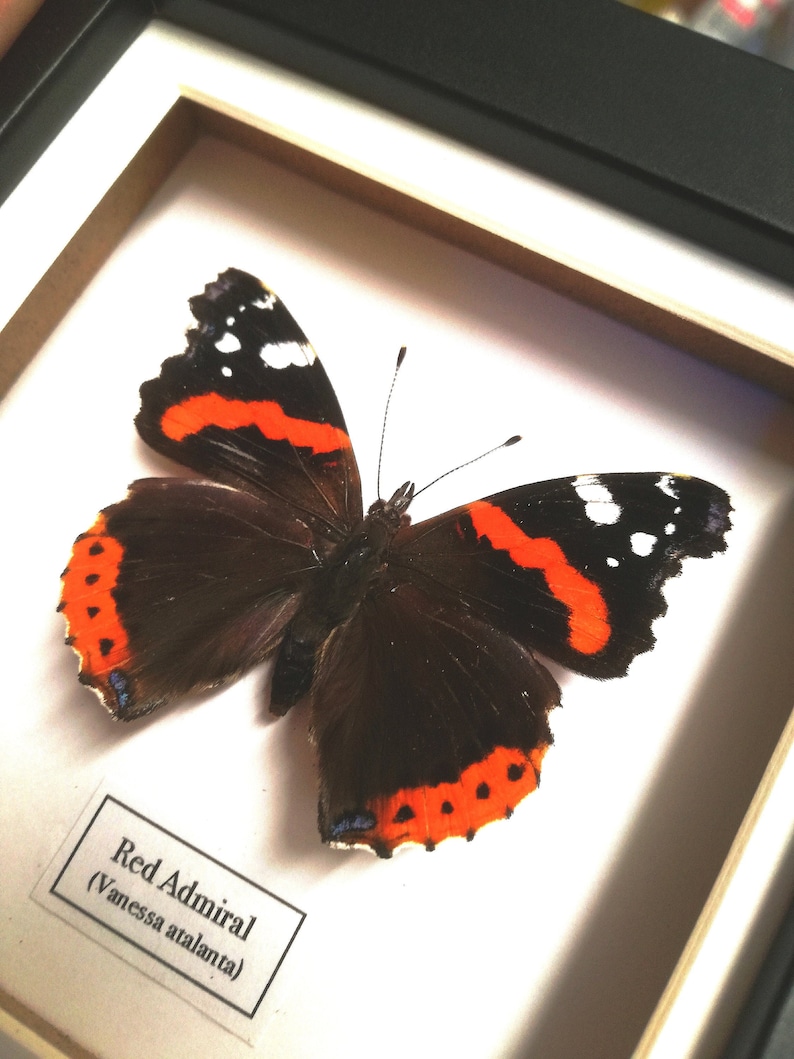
x=415, y=643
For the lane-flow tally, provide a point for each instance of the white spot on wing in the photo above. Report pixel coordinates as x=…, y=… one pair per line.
x=229, y=321
x=642, y=543
x=226, y=370
x=282, y=354
x=665, y=483
x=228, y=343
x=599, y=504
x=266, y=303
x=669, y=529
x=611, y=561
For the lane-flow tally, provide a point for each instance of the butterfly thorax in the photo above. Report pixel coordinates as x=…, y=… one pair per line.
x=338, y=587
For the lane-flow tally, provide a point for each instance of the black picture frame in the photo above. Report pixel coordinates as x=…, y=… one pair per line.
x=671, y=127
x=764, y=1028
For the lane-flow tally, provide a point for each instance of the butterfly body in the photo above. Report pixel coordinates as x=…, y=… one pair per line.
x=335, y=594
x=415, y=643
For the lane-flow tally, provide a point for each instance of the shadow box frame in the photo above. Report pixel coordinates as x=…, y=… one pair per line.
x=51, y=278
x=661, y=123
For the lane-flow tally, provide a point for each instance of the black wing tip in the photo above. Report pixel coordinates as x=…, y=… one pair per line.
x=220, y=298
x=712, y=507
x=232, y=282
x=236, y=303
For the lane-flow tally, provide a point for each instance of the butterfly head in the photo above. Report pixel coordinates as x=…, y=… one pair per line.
x=392, y=512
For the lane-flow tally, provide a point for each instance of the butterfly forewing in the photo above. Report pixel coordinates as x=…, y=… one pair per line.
x=574, y=567
x=250, y=404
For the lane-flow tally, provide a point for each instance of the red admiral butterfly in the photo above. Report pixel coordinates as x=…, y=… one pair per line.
x=416, y=644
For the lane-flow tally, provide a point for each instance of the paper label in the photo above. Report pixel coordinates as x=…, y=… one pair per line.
x=219, y=933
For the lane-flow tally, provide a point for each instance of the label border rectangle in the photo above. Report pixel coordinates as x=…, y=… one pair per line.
x=141, y=948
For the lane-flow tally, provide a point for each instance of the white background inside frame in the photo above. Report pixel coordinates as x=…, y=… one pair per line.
x=550, y=934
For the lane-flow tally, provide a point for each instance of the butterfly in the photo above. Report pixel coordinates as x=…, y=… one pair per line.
x=417, y=645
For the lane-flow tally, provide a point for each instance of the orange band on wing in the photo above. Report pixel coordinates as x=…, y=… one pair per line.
x=588, y=617
x=487, y=790
x=87, y=603
x=195, y=413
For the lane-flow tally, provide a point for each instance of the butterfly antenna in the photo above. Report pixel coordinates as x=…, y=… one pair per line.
x=400, y=359
x=505, y=444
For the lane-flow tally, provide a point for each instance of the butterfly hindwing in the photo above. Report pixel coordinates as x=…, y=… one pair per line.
x=428, y=722
x=249, y=403
x=574, y=567
x=179, y=587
